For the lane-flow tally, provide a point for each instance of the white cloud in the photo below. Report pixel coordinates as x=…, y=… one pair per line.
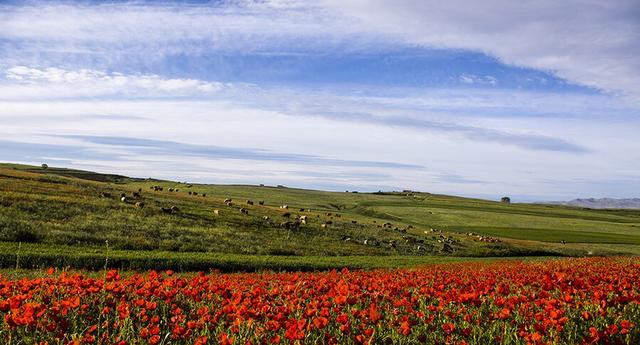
x=503, y=169
x=593, y=43
x=232, y=26
x=474, y=79
x=463, y=113
x=32, y=83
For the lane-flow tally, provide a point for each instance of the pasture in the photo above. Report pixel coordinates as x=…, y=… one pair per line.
x=66, y=217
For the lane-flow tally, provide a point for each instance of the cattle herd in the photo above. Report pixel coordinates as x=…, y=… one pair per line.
x=292, y=221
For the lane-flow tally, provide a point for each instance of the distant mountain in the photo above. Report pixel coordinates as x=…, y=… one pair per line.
x=633, y=203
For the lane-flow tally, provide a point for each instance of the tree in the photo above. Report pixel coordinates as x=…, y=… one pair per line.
x=44, y=166
x=506, y=200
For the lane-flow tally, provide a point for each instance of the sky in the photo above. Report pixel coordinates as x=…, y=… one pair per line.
x=536, y=100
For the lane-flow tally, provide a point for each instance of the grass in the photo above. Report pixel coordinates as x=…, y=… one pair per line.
x=62, y=220
x=31, y=256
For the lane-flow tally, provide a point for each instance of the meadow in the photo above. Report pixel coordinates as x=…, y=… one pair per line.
x=100, y=258
x=61, y=217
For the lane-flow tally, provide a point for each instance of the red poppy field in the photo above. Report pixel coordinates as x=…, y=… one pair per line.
x=568, y=301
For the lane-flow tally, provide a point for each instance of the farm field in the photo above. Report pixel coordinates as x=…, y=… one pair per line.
x=564, y=301
x=69, y=218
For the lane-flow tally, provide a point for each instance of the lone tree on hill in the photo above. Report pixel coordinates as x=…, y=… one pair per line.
x=44, y=166
x=506, y=200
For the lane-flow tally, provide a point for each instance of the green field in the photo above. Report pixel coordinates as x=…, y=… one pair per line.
x=61, y=217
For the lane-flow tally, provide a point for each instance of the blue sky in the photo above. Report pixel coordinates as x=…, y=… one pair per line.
x=536, y=100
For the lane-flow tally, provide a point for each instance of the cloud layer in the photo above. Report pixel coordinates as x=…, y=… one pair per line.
x=537, y=99
x=593, y=43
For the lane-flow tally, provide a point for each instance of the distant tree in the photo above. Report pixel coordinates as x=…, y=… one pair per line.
x=44, y=166
x=506, y=200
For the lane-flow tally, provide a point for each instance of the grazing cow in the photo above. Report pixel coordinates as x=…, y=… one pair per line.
x=285, y=207
x=286, y=215
x=324, y=225
x=139, y=204
x=338, y=215
x=139, y=190
x=136, y=195
x=227, y=200
x=328, y=222
x=204, y=195
x=249, y=202
x=171, y=189
x=302, y=210
x=176, y=190
x=190, y=193
x=563, y=242
x=175, y=209
x=303, y=219
x=105, y=195
x=123, y=199
x=167, y=210
x=228, y=203
x=261, y=203
x=374, y=222
x=195, y=193
x=244, y=210
x=354, y=221
x=328, y=214
x=265, y=217
x=216, y=212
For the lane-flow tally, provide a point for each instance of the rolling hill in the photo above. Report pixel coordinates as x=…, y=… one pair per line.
x=63, y=217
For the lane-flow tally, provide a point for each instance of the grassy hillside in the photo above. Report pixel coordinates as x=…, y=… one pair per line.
x=63, y=208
